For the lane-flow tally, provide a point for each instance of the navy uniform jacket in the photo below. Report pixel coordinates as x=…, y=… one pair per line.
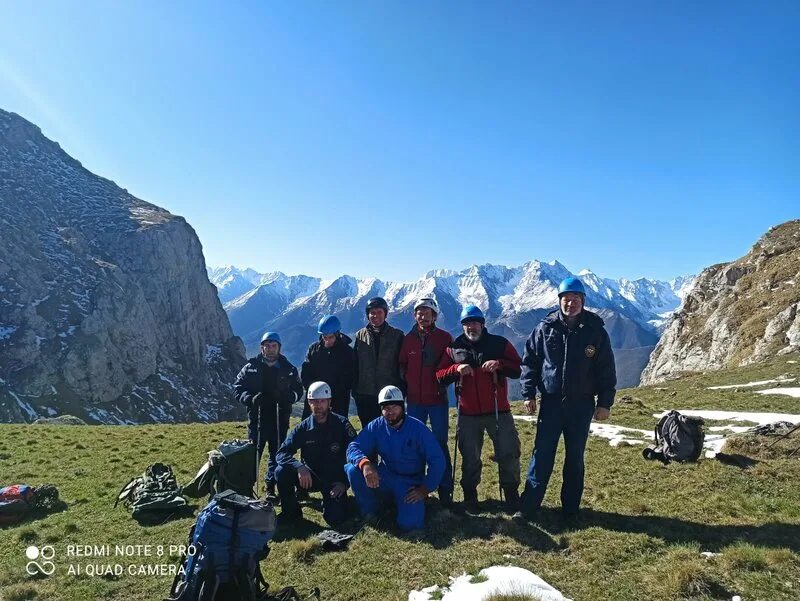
x=569, y=366
x=323, y=447
x=278, y=384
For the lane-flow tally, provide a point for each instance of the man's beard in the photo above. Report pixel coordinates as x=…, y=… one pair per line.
x=398, y=419
x=473, y=336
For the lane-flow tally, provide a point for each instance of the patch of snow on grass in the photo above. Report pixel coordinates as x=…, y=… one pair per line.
x=795, y=392
x=617, y=434
x=752, y=384
x=499, y=580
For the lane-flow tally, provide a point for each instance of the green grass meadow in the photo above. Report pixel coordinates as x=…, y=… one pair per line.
x=640, y=536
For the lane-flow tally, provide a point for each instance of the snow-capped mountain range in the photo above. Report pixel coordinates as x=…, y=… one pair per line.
x=513, y=298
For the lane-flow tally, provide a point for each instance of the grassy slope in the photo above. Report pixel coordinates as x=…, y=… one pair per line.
x=640, y=537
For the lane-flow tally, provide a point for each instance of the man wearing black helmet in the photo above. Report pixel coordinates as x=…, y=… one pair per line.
x=568, y=360
x=377, y=348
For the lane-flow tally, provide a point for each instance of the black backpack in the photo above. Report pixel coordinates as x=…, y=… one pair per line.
x=677, y=438
x=231, y=466
x=155, y=490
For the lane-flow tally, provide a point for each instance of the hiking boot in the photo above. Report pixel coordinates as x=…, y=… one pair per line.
x=511, y=499
x=471, y=502
x=270, y=494
x=570, y=519
x=290, y=515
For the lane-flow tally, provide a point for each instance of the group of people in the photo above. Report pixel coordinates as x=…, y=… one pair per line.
x=399, y=383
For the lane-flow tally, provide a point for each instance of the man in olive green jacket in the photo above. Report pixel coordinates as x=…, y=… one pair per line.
x=377, y=349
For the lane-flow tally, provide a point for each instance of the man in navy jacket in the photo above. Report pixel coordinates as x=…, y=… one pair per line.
x=322, y=439
x=406, y=448
x=569, y=361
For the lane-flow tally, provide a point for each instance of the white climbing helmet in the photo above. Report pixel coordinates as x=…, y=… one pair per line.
x=319, y=390
x=427, y=301
x=391, y=394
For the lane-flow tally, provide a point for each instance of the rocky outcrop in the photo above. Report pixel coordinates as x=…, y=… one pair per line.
x=737, y=313
x=106, y=311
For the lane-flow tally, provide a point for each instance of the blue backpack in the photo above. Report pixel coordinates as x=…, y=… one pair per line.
x=226, y=544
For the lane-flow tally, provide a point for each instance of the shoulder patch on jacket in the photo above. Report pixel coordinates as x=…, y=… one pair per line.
x=590, y=351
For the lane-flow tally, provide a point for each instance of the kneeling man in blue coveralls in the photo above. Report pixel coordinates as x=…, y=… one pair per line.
x=569, y=360
x=406, y=447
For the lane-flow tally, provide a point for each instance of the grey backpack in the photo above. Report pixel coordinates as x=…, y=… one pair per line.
x=677, y=438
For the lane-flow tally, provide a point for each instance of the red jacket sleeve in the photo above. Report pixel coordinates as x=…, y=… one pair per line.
x=511, y=362
x=447, y=372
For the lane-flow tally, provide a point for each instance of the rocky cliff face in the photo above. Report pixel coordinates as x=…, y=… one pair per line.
x=106, y=311
x=737, y=313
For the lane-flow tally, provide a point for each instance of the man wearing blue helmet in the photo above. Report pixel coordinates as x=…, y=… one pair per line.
x=268, y=385
x=569, y=361
x=331, y=359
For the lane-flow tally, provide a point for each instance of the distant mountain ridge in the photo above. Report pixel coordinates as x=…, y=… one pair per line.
x=513, y=298
x=737, y=313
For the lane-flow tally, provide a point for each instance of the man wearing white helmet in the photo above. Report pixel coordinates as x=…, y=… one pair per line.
x=420, y=354
x=411, y=462
x=322, y=439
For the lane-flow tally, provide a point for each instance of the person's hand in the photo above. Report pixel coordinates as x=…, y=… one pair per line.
x=338, y=489
x=530, y=405
x=464, y=369
x=491, y=366
x=371, y=475
x=304, y=477
x=417, y=493
x=601, y=413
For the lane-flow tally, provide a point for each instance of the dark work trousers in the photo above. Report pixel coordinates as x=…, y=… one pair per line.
x=572, y=419
x=506, y=448
x=367, y=406
x=272, y=433
x=334, y=511
x=439, y=417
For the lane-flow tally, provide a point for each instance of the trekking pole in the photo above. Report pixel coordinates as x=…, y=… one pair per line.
x=496, y=430
x=458, y=429
x=787, y=435
x=258, y=441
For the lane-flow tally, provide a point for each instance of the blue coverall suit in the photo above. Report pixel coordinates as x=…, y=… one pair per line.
x=323, y=450
x=404, y=452
x=569, y=368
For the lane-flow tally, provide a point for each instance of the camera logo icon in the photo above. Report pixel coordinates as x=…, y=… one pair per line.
x=45, y=566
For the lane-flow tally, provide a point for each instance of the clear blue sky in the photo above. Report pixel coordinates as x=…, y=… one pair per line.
x=388, y=138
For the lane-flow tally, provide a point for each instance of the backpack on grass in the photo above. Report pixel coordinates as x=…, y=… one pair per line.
x=232, y=465
x=226, y=544
x=155, y=490
x=18, y=500
x=677, y=438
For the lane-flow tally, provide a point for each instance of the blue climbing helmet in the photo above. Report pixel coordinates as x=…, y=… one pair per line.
x=472, y=313
x=271, y=337
x=328, y=325
x=571, y=284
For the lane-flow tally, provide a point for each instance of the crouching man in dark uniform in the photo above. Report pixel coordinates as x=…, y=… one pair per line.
x=322, y=439
x=268, y=385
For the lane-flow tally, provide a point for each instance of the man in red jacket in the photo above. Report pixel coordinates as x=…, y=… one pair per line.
x=480, y=363
x=423, y=348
